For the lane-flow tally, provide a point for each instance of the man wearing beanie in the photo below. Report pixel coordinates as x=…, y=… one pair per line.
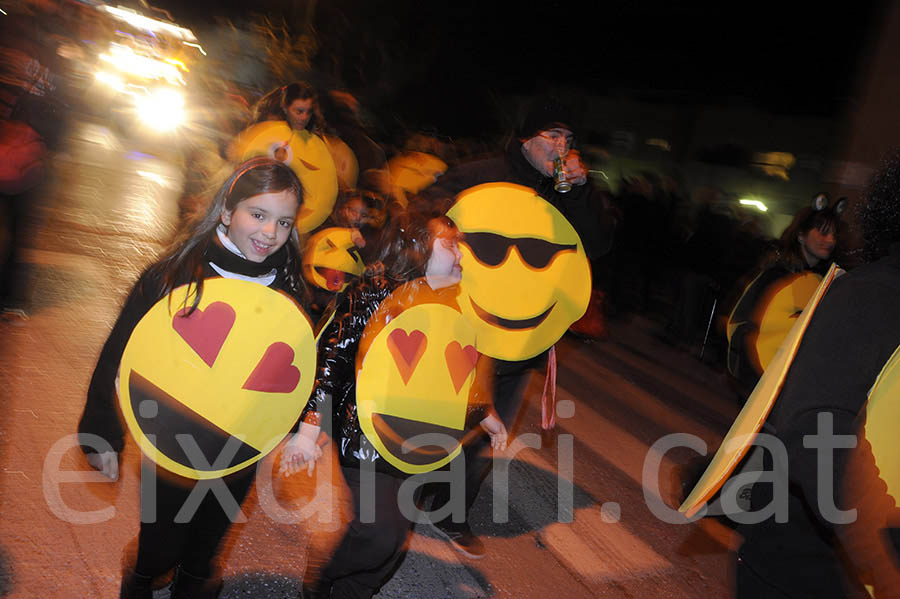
x=545, y=134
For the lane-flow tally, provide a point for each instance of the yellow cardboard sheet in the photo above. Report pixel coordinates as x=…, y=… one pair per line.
x=747, y=424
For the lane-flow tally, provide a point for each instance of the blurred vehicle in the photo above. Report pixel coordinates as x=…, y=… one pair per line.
x=141, y=72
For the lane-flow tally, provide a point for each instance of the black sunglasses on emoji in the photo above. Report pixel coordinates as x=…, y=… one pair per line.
x=492, y=249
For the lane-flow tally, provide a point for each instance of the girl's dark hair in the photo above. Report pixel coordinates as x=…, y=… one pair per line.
x=405, y=245
x=825, y=219
x=186, y=259
x=275, y=104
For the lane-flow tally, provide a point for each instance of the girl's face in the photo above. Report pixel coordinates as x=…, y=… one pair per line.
x=443, y=264
x=817, y=245
x=299, y=113
x=261, y=224
x=354, y=213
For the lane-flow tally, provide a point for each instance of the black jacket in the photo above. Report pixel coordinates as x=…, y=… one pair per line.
x=583, y=207
x=851, y=337
x=334, y=395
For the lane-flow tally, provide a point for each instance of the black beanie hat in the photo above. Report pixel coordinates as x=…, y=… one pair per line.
x=543, y=114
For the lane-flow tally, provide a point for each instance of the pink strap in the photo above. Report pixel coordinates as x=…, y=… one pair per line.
x=548, y=398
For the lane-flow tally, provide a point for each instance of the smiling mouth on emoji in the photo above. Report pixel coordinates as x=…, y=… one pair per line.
x=177, y=431
x=397, y=433
x=510, y=324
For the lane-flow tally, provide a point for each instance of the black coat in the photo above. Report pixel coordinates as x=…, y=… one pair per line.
x=851, y=337
x=583, y=207
x=335, y=392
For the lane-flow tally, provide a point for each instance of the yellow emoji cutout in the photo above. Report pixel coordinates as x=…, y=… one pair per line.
x=306, y=154
x=211, y=393
x=331, y=259
x=411, y=172
x=882, y=411
x=415, y=368
x=776, y=313
x=345, y=162
x=525, y=275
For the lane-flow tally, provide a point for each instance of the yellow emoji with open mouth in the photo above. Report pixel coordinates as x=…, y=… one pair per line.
x=331, y=259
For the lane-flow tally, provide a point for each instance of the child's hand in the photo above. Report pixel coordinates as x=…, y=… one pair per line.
x=493, y=426
x=301, y=451
x=107, y=462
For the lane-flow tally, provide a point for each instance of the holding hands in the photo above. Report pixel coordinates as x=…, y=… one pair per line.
x=301, y=451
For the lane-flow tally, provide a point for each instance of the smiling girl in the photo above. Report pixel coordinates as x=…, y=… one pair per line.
x=247, y=234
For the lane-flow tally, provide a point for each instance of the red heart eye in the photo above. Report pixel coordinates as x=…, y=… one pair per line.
x=407, y=350
x=460, y=362
x=205, y=331
x=275, y=372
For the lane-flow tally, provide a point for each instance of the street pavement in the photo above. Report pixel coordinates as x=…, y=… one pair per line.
x=579, y=521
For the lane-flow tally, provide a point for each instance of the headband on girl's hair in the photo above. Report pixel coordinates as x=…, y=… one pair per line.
x=252, y=163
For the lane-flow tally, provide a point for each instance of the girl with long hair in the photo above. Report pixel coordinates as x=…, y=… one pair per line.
x=418, y=249
x=247, y=234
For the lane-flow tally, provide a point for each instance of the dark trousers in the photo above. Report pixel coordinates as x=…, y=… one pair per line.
x=369, y=552
x=510, y=379
x=192, y=544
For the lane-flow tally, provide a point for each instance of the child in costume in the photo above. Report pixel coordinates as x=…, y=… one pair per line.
x=415, y=252
x=247, y=234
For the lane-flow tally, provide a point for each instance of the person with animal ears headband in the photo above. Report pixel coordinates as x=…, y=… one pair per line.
x=790, y=273
x=248, y=234
x=779, y=289
x=834, y=532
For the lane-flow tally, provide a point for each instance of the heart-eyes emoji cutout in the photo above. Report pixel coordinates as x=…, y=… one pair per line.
x=460, y=362
x=205, y=331
x=275, y=372
x=407, y=350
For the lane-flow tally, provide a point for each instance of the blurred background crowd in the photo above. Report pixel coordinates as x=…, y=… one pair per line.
x=700, y=192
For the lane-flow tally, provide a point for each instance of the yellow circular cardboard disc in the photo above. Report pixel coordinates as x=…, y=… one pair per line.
x=415, y=367
x=882, y=412
x=212, y=393
x=345, y=162
x=306, y=154
x=525, y=275
x=779, y=311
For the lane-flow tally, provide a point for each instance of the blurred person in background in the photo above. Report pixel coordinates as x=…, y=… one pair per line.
x=344, y=116
x=297, y=103
x=837, y=535
x=31, y=117
x=719, y=248
x=779, y=289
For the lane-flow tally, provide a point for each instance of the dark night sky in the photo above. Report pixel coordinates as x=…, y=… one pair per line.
x=448, y=57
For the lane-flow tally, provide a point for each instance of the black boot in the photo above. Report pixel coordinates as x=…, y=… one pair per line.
x=188, y=586
x=136, y=586
x=316, y=590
